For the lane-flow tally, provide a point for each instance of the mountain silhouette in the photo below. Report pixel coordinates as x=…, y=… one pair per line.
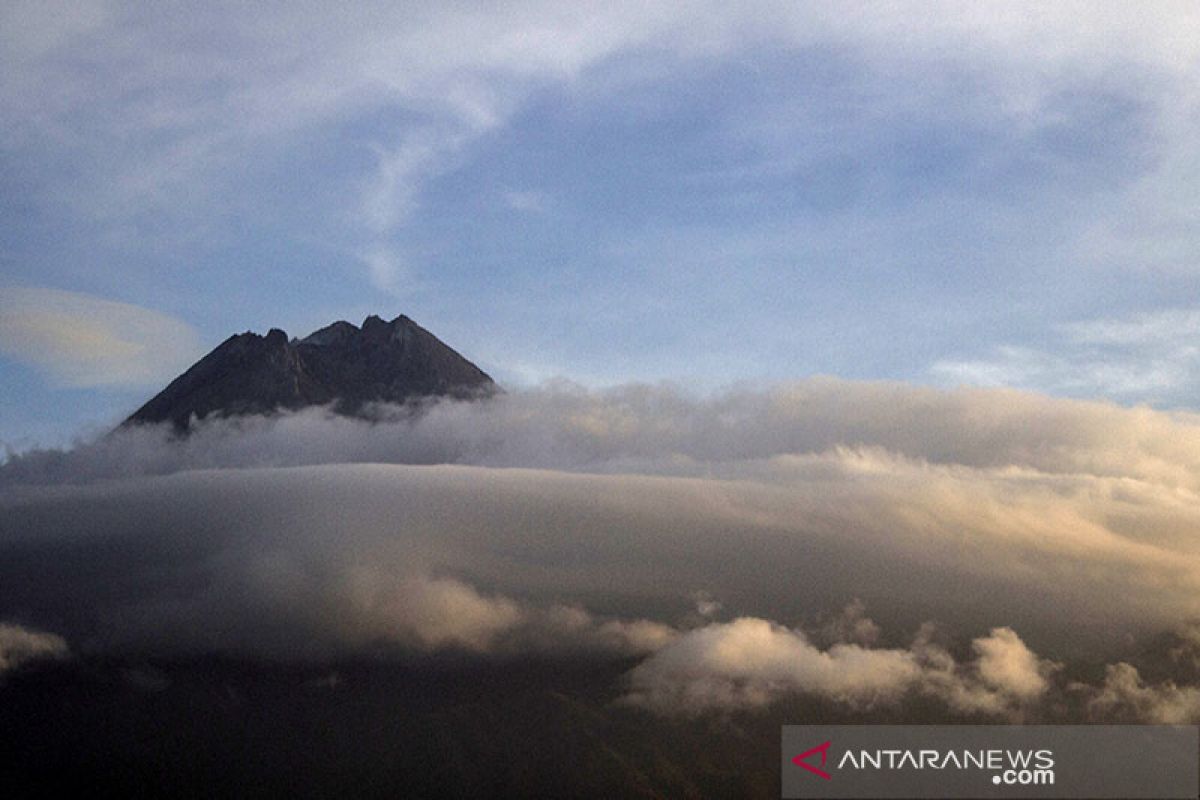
x=346, y=367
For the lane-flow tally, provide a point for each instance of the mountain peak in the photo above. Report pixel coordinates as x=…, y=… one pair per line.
x=340, y=365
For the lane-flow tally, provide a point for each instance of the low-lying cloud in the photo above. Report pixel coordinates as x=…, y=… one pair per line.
x=749, y=663
x=20, y=646
x=662, y=430
x=715, y=538
x=1126, y=696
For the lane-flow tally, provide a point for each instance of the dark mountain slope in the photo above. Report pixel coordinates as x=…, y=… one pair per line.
x=342, y=365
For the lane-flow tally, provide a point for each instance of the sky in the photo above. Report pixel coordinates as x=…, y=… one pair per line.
x=938, y=193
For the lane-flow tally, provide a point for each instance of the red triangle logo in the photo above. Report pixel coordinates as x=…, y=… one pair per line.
x=823, y=749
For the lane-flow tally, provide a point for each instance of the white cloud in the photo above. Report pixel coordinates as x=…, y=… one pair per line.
x=431, y=614
x=760, y=434
x=1150, y=356
x=391, y=193
x=81, y=340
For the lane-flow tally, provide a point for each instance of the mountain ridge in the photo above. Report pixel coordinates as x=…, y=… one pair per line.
x=344, y=366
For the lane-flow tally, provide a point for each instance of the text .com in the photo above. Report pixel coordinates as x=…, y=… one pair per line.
x=1024, y=777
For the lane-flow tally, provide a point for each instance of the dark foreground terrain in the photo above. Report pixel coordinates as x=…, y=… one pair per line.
x=217, y=728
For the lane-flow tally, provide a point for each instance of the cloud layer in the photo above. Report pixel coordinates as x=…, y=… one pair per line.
x=701, y=533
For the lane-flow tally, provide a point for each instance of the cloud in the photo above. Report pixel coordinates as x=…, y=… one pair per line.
x=751, y=663
x=1149, y=356
x=432, y=614
x=763, y=435
x=851, y=625
x=1007, y=665
x=205, y=94
x=976, y=507
x=1125, y=696
x=528, y=201
x=283, y=584
x=20, y=646
x=387, y=269
x=643, y=522
x=80, y=340
x=391, y=193
x=1006, y=678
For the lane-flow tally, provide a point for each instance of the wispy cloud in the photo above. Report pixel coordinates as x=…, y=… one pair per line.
x=1151, y=356
x=205, y=93
x=79, y=340
x=388, y=270
x=526, y=200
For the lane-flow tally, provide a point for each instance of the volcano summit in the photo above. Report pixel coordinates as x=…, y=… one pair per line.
x=346, y=367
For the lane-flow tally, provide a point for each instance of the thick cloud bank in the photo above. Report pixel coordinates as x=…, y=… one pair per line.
x=641, y=522
x=654, y=429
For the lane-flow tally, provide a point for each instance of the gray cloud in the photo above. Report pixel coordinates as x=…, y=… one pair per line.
x=20, y=645
x=642, y=521
x=1126, y=696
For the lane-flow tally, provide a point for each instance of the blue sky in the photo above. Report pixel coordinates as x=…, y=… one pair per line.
x=934, y=192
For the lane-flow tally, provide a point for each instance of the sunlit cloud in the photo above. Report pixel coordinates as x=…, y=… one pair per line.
x=79, y=340
x=751, y=663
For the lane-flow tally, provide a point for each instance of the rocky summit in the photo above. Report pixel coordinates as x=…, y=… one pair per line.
x=346, y=367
